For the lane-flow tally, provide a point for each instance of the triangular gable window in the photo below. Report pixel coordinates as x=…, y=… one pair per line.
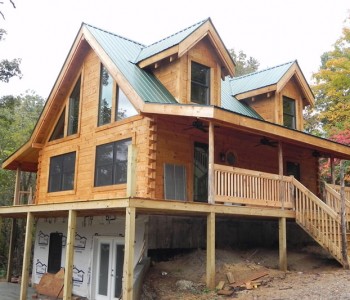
x=58, y=132
x=124, y=108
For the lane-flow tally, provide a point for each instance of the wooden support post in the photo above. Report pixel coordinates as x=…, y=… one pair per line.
x=68, y=267
x=280, y=172
x=211, y=250
x=128, y=269
x=282, y=229
x=13, y=235
x=344, y=242
x=211, y=175
x=16, y=196
x=131, y=173
x=26, y=256
x=332, y=170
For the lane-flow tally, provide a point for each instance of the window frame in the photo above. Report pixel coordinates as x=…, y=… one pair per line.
x=62, y=173
x=65, y=112
x=201, y=85
x=292, y=115
x=114, y=174
x=116, y=93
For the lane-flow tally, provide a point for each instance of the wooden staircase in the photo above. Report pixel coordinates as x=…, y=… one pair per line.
x=321, y=220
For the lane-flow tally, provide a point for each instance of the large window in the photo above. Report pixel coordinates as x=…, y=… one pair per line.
x=73, y=111
x=289, y=118
x=200, y=83
x=62, y=170
x=73, y=115
x=112, y=163
x=113, y=103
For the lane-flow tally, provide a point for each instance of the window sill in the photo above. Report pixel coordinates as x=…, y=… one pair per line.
x=64, y=139
x=118, y=123
x=61, y=193
x=120, y=186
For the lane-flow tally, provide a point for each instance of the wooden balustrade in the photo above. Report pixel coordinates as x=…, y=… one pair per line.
x=318, y=219
x=241, y=186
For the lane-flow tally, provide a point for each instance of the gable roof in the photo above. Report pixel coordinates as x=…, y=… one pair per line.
x=259, y=79
x=123, y=53
x=167, y=42
x=271, y=79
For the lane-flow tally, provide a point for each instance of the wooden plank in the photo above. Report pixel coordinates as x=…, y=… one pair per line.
x=230, y=277
x=220, y=285
x=128, y=270
x=250, y=277
x=282, y=244
x=71, y=230
x=210, y=268
x=26, y=256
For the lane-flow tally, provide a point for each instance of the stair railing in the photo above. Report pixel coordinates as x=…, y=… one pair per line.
x=318, y=219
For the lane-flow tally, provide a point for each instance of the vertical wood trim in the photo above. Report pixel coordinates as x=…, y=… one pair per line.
x=17, y=187
x=128, y=270
x=280, y=172
x=131, y=172
x=68, y=267
x=282, y=230
x=26, y=255
x=13, y=235
x=210, y=280
x=343, y=221
x=211, y=190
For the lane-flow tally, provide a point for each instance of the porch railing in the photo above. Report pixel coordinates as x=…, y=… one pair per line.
x=241, y=186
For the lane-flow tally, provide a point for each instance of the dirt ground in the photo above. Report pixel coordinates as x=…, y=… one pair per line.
x=311, y=275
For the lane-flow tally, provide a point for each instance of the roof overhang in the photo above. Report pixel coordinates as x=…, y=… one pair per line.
x=254, y=126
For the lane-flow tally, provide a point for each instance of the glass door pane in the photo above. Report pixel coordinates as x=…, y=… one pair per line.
x=118, y=265
x=103, y=269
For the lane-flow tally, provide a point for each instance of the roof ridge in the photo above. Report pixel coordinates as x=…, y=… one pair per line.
x=117, y=35
x=261, y=71
x=176, y=33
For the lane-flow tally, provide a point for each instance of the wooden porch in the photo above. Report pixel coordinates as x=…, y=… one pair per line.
x=237, y=192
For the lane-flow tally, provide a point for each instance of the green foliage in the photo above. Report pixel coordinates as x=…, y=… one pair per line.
x=332, y=88
x=244, y=65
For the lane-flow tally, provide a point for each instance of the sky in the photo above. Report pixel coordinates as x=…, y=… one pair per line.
x=41, y=32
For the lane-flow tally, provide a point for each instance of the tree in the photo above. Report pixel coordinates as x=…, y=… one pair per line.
x=332, y=88
x=9, y=68
x=244, y=65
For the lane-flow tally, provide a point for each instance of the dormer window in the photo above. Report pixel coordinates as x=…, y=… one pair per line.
x=289, y=113
x=200, y=83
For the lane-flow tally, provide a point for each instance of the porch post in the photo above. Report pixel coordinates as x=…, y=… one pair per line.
x=131, y=172
x=280, y=172
x=332, y=169
x=211, y=175
x=211, y=250
x=16, y=196
x=68, y=266
x=282, y=228
x=128, y=268
x=13, y=234
x=26, y=256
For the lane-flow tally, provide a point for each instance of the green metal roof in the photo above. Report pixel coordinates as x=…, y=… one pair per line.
x=123, y=52
x=168, y=42
x=229, y=102
x=260, y=79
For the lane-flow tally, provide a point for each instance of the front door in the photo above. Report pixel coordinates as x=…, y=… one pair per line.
x=108, y=274
x=200, y=172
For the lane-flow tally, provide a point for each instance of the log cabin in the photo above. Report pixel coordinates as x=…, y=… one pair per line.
x=130, y=132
